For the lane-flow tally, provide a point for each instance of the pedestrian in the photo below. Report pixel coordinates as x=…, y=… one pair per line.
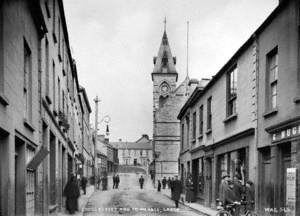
x=238, y=187
x=164, y=182
x=141, y=181
x=230, y=197
x=83, y=184
x=117, y=181
x=114, y=181
x=158, y=185
x=72, y=193
x=176, y=191
x=104, y=182
x=98, y=182
x=169, y=183
x=189, y=189
x=222, y=187
x=250, y=194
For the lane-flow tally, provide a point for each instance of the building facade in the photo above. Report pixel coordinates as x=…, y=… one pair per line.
x=279, y=111
x=168, y=98
x=137, y=153
x=245, y=121
x=40, y=109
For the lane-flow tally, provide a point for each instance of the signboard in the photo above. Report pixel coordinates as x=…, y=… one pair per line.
x=287, y=133
x=291, y=183
x=37, y=159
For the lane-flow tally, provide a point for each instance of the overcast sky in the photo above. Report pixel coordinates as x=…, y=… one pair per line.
x=114, y=41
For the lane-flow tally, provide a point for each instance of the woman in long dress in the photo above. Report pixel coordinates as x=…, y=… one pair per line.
x=72, y=193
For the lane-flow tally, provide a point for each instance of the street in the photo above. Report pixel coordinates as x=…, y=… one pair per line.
x=129, y=199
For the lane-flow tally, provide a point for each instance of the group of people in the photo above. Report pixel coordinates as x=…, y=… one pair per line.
x=72, y=192
x=233, y=190
x=102, y=180
x=116, y=181
x=175, y=185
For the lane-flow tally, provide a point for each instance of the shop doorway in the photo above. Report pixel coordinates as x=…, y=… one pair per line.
x=285, y=158
x=209, y=180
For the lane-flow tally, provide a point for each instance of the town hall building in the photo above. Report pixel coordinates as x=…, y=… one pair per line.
x=168, y=98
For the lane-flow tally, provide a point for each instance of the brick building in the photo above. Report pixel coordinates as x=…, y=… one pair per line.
x=168, y=98
x=40, y=109
x=246, y=119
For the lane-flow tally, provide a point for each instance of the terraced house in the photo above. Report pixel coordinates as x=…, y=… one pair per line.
x=41, y=112
x=245, y=121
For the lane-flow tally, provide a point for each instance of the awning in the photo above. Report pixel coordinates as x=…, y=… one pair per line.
x=38, y=158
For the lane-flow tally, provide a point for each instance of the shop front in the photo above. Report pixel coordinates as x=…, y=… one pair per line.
x=278, y=171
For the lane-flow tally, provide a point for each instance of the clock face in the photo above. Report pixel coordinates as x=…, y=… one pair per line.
x=164, y=89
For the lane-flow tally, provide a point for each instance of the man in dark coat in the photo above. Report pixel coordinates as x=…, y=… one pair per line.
x=117, y=181
x=83, y=184
x=223, y=186
x=250, y=195
x=141, y=181
x=164, y=182
x=114, y=181
x=72, y=193
x=176, y=190
x=158, y=185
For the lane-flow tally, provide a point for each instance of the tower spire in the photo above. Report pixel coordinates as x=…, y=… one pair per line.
x=165, y=24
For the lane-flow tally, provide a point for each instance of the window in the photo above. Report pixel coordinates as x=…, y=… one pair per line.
x=53, y=24
x=194, y=125
x=231, y=91
x=272, y=76
x=47, y=8
x=201, y=120
x=58, y=89
x=27, y=91
x=59, y=40
x=187, y=120
x=209, y=114
x=53, y=84
x=182, y=136
x=47, y=67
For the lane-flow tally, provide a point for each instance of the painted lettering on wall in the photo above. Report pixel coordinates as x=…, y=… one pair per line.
x=286, y=133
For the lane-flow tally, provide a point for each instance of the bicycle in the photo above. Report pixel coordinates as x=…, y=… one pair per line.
x=229, y=209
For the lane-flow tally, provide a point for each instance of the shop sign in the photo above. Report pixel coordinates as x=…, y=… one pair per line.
x=286, y=133
x=291, y=174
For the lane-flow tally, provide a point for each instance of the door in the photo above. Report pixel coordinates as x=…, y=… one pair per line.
x=209, y=180
x=285, y=163
x=266, y=188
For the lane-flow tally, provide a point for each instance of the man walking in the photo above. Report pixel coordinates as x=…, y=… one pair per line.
x=117, y=181
x=114, y=181
x=176, y=189
x=83, y=184
x=141, y=181
x=164, y=182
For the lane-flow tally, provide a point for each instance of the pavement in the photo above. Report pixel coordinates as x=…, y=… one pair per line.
x=196, y=206
x=82, y=201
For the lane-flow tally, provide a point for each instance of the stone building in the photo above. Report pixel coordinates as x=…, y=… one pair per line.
x=87, y=149
x=137, y=153
x=168, y=98
x=245, y=121
x=40, y=110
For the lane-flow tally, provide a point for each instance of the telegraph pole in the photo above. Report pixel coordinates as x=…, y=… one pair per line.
x=96, y=136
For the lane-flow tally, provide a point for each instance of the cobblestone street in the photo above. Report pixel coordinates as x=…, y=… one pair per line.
x=129, y=199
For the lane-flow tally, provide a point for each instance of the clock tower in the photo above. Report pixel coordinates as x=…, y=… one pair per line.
x=168, y=98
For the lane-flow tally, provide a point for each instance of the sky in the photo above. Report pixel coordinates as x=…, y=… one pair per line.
x=114, y=42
